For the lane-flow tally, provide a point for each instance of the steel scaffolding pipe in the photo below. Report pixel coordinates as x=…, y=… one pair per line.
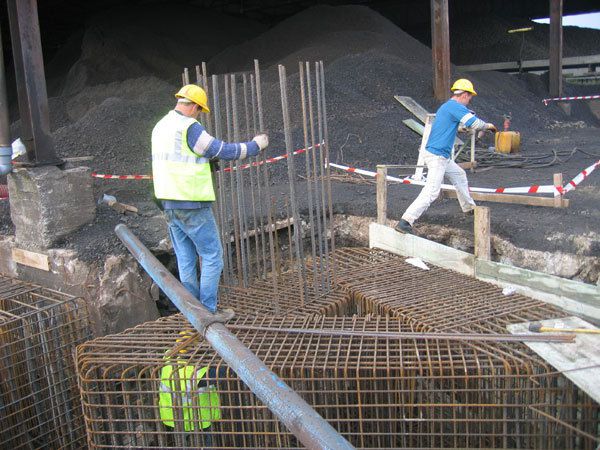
x=303, y=421
x=5, y=147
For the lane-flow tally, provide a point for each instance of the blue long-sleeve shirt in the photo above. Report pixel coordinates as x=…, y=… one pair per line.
x=447, y=119
x=210, y=147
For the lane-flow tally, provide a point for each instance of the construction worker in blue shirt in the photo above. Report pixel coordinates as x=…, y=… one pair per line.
x=438, y=151
x=181, y=150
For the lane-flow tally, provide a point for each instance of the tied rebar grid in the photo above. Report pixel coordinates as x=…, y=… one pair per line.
x=39, y=399
x=439, y=299
x=378, y=392
x=249, y=214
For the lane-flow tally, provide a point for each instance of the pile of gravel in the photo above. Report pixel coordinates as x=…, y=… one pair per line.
x=124, y=79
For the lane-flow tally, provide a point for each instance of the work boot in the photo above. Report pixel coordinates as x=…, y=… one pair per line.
x=404, y=227
x=224, y=315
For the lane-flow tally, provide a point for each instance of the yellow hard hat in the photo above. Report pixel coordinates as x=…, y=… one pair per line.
x=463, y=84
x=194, y=94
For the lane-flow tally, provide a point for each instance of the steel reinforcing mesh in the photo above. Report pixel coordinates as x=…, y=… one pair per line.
x=39, y=399
x=379, y=393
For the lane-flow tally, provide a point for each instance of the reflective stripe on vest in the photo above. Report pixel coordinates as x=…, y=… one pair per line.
x=193, y=406
x=178, y=173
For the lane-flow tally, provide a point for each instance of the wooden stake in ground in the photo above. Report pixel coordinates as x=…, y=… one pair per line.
x=381, y=194
x=482, y=233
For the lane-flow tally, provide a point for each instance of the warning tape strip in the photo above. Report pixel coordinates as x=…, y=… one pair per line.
x=536, y=189
x=227, y=169
x=580, y=97
x=272, y=160
x=121, y=177
x=571, y=185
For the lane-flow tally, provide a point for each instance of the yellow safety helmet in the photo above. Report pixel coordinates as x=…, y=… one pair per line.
x=194, y=94
x=463, y=84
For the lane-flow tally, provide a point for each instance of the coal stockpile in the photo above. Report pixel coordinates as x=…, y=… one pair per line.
x=124, y=74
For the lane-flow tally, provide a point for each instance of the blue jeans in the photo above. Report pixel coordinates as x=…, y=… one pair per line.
x=194, y=233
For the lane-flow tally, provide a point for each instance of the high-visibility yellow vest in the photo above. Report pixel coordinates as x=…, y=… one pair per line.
x=180, y=398
x=178, y=172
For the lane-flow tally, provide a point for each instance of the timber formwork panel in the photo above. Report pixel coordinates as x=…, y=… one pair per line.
x=378, y=392
x=39, y=399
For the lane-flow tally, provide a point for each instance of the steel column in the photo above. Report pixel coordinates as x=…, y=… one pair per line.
x=31, y=82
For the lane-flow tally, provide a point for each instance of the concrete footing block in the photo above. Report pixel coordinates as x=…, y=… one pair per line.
x=47, y=203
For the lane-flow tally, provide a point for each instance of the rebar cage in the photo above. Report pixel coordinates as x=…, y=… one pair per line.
x=378, y=392
x=39, y=399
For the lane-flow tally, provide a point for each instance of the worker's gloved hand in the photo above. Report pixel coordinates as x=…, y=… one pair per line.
x=491, y=127
x=262, y=140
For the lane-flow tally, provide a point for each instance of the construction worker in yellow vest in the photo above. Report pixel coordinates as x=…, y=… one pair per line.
x=182, y=402
x=181, y=150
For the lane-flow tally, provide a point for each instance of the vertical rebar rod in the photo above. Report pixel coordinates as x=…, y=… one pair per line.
x=225, y=240
x=292, y=180
x=308, y=176
x=322, y=174
x=327, y=169
x=315, y=172
x=256, y=166
x=232, y=185
x=265, y=170
x=240, y=186
x=209, y=122
x=186, y=76
x=252, y=182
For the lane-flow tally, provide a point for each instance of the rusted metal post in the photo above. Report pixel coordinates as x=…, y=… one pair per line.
x=440, y=48
x=297, y=415
x=31, y=82
x=556, y=48
x=482, y=233
x=381, y=194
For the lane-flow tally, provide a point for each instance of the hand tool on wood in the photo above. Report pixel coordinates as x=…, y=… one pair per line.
x=537, y=327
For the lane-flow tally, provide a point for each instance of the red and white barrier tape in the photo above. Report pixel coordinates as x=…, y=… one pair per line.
x=121, y=177
x=571, y=185
x=536, y=189
x=272, y=160
x=227, y=169
x=580, y=97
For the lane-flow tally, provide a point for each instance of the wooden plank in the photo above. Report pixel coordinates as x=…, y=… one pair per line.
x=381, y=194
x=482, y=233
x=440, y=48
x=420, y=159
x=578, y=361
x=563, y=288
x=533, y=64
x=510, y=198
x=408, y=245
x=414, y=125
x=419, y=112
x=31, y=259
x=468, y=165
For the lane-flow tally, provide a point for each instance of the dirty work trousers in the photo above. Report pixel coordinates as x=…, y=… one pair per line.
x=194, y=233
x=437, y=167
